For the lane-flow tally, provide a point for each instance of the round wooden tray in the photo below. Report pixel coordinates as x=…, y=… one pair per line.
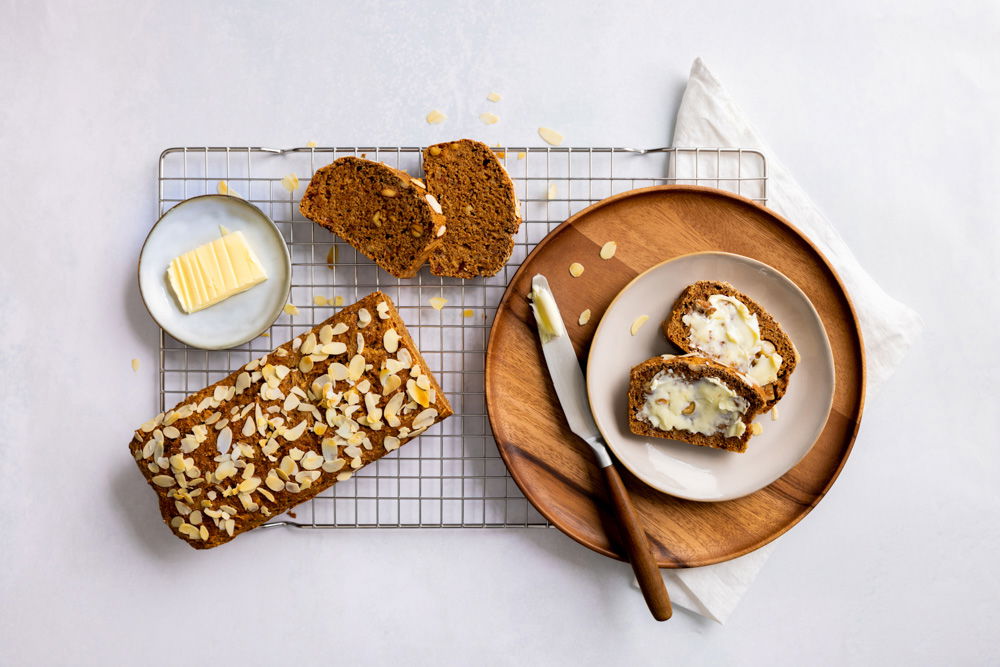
x=556, y=471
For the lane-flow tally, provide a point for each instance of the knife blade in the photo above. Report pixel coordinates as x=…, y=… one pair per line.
x=564, y=369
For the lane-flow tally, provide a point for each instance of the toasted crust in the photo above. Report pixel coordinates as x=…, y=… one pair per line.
x=695, y=297
x=397, y=232
x=175, y=509
x=691, y=367
x=480, y=239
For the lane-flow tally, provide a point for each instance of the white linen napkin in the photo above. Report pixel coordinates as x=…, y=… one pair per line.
x=709, y=118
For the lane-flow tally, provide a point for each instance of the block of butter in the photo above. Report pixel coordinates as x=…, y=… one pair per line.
x=214, y=271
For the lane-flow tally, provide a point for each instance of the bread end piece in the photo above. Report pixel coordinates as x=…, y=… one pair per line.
x=383, y=212
x=480, y=204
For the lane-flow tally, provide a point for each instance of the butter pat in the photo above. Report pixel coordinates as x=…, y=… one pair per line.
x=214, y=272
x=706, y=405
x=730, y=334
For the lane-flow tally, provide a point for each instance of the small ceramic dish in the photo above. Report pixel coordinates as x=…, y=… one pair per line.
x=703, y=473
x=239, y=318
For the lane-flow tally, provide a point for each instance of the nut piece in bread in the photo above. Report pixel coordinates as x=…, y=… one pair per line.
x=694, y=400
x=479, y=202
x=386, y=215
x=735, y=331
x=284, y=427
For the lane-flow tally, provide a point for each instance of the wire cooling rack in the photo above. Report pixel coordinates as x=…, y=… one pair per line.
x=451, y=476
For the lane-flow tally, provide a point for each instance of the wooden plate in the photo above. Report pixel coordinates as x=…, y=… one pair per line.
x=555, y=470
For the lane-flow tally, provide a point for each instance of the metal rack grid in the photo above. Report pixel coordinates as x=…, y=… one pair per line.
x=452, y=476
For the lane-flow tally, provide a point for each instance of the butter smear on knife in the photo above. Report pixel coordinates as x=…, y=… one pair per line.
x=550, y=324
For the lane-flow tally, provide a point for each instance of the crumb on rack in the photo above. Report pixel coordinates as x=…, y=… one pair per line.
x=467, y=312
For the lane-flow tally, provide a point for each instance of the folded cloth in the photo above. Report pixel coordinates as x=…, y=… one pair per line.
x=708, y=117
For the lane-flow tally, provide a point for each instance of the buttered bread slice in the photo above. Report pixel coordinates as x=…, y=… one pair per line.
x=694, y=400
x=478, y=200
x=286, y=426
x=384, y=213
x=715, y=320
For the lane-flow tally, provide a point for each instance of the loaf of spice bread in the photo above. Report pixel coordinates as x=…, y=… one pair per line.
x=479, y=203
x=695, y=400
x=715, y=320
x=384, y=213
x=284, y=427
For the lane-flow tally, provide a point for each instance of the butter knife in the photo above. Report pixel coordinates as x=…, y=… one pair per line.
x=567, y=377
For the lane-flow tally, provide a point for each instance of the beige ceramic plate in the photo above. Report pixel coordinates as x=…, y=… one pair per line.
x=702, y=473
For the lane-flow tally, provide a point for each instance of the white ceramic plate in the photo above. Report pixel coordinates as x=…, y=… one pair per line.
x=239, y=318
x=703, y=473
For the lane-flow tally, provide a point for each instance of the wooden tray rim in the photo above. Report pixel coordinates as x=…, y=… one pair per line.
x=861, y=358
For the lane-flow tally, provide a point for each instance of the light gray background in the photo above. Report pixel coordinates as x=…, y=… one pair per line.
x=885, y=112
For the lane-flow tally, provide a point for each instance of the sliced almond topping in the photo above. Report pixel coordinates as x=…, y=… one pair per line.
x=306, y=364
x=360, y=339
x=584, y=317
x=242, y=382
x=224, y=440
x=274, y=482
x=425, y=418
x=576, y=269
x=311, y=461
x=166, y=481
x=637, y=324
x=383, y=310
x=364, y=318
x=433, y=203
x=441, y=230
x=325, y=334
x=419, y=183
x=390, y=341
x=356, y=368
x=550, y=136
x=309, y=344
x=344, y=476
x=417, y=394
x=756, y=429
x=390, y=443
x=335, y=347
x=608, y=250
x=296, y=432
x=437, y=302
x=334, y=466
x=337, y=371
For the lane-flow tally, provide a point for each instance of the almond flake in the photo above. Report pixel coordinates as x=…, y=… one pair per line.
x=224, y=440
x=306, y=364
x=550, y=136
x=291, y=309
x=290, y=182
x=435, y=117
x=493, y=97
x=344, y=476
x=319, y=300
x=608, y=250
x=489, y=118
x=390, y=443
x=576, y=269
x=390, y=341
x=332, y=255
x=311, y=461
x=360, y=339
x=364, y=318
x=165, y=481
x=637, y=324
x=242, y=382
x=296, y=432
x=335, y=347
x=274, y=482
x=135, y=365
x=433, y=203
x=417, y=394
x=584, y=317
x=437, y=302
x=309, y=344
x=356, y=368
x=334, y=466
x=223, y=189
x=552, y=192
x=338, y=301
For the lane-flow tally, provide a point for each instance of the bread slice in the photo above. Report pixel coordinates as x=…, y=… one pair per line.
x=658, y=387
x=288, y=425
x=386, y=215
x=479, y=202
x=694, y=301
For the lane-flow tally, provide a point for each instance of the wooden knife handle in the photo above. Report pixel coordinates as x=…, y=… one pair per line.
x=637, y=545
